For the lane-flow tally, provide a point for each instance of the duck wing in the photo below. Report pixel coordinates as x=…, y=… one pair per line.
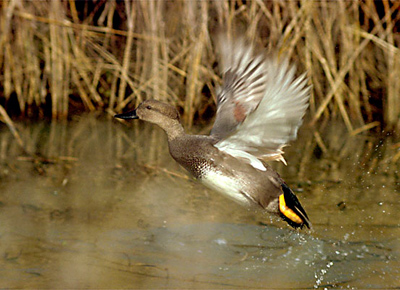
x=244, y=84
x=274, y=107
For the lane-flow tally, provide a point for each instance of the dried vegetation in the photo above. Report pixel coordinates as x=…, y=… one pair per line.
x=59, y=58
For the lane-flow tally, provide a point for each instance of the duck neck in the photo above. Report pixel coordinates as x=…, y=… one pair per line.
x=173, y=129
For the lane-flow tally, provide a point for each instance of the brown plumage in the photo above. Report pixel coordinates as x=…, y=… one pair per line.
x=259, y=109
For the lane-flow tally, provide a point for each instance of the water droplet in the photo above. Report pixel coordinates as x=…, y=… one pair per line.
x=221, y=241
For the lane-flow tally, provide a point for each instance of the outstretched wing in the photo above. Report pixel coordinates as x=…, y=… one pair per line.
x=244, y=84
x=273, y=120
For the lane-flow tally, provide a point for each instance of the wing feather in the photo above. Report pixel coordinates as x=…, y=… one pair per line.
x=243, y=86
x=273, y=106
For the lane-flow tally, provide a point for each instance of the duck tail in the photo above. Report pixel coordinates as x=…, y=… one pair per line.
x=291, y=210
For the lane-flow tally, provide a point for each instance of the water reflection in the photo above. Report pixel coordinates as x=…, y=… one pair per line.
x=106, y=207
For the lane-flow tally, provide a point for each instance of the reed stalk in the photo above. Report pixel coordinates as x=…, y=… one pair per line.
x=86, y=55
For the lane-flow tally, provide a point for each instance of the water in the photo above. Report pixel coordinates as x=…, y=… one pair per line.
x=106, y=207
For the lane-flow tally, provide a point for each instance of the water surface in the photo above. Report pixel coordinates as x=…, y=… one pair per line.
x=105, y=206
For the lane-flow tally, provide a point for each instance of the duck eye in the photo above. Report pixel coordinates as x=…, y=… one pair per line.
x=148, y=107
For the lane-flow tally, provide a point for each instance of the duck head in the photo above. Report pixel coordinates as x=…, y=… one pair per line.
x=161, y=114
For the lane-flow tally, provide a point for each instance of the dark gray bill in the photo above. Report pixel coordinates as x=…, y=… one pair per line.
x=128, y=115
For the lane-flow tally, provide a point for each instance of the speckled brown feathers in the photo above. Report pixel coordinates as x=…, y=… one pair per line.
x=259, y=109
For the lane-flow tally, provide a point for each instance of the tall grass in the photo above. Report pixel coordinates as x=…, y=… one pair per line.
x=58, y=58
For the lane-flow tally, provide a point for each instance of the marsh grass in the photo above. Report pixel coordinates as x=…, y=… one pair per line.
x=59, y=58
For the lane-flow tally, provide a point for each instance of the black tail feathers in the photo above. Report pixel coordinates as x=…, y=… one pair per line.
x=291, y=201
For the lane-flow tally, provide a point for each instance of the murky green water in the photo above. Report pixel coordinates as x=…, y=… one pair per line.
x=107, y=207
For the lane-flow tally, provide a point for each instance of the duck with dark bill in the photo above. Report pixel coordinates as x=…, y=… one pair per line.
x=260, y=107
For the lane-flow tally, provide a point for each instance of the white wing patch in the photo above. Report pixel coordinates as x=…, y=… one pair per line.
x=254, y=161
x=276, y=119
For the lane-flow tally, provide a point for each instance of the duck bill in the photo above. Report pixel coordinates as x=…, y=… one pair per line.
x=291, y=210
x=128, y=115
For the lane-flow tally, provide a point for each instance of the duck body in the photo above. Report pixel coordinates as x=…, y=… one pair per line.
x=259, y=109
x=220, y=171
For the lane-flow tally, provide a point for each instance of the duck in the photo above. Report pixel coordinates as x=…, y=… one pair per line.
x=259, y=109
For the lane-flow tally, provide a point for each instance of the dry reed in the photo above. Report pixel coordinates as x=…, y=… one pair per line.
x=58, y=57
